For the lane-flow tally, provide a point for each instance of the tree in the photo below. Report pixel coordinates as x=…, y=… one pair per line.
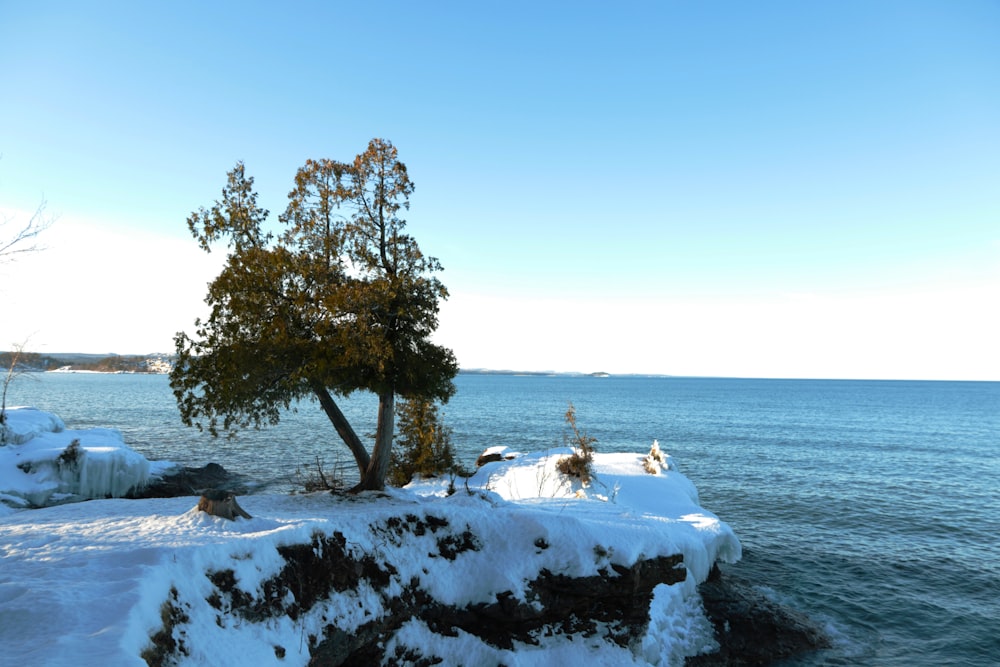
x=19, y=362
x=19, y=242
x=397, y=300
x=424, y=444
x=341, y=301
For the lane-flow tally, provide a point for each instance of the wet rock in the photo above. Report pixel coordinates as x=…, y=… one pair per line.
x=494, y=454
x=187, y=481
x=752, y=629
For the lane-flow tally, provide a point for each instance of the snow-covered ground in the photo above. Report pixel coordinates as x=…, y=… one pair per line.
x=85, y=582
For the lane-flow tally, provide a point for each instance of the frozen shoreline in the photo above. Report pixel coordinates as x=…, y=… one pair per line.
x=122, y=559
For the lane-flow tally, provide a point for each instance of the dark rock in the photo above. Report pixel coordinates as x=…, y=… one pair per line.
x=485, y=458
x=557, y=604
x=489, y=456
x=571, y=605
x=752, y=629
x=190, y=482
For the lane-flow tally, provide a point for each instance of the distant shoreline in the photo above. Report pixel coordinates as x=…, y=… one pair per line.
x=162, y=363
x=598, y=374
x=69, y=370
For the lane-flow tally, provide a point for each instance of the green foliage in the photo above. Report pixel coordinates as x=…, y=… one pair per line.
x=579, y=463
x=424, y=444
x=342, y=300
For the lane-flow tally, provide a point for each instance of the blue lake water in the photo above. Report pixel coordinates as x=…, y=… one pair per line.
x=872, y=506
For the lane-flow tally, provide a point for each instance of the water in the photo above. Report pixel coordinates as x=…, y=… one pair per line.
x=872, y=506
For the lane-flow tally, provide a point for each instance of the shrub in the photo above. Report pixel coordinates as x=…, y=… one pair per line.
x=578, y=464
x=655, y=460
x=313, y=478
x=423, y=444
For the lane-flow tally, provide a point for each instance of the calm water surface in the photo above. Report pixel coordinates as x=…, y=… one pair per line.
x=872, y=506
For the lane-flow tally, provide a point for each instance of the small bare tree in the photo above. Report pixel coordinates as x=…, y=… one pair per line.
x=17, y=365
x=22, y=240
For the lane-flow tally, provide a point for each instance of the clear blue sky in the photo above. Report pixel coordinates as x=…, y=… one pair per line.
x=793, y=189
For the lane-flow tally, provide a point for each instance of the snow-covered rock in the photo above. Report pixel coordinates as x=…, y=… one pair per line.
x=121, y=581
x=45, y=463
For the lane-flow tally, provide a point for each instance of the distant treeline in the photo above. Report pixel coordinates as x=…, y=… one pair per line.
x=114, y=363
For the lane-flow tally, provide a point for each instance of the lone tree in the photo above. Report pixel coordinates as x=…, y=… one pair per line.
x=341, y=301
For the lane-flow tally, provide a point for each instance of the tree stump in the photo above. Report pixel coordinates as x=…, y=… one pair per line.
x=221, y=503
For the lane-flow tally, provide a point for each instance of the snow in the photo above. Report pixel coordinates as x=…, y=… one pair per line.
x=42, y=465
x=85, y=582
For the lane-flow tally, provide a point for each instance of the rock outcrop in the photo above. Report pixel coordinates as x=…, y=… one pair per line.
x=187, y=481
x=752, y=629
x=611, y=606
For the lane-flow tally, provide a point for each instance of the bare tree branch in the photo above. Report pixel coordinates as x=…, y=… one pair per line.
x=24, y=239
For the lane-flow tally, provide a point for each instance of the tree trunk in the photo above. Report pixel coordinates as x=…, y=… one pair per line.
x=221, y=503
x=343, y=427
x=374, y=477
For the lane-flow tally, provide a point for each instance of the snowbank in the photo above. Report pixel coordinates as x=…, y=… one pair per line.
x=92, y=583
x=45, y=463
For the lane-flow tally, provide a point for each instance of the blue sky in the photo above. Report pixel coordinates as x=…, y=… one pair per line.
x=771, y=189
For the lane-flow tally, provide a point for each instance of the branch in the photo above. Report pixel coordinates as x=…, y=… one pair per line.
x=37, y=224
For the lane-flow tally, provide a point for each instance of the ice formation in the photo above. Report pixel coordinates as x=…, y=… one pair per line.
x=44, y=463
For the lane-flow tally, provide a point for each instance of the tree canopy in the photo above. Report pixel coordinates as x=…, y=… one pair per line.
x=341, y=300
